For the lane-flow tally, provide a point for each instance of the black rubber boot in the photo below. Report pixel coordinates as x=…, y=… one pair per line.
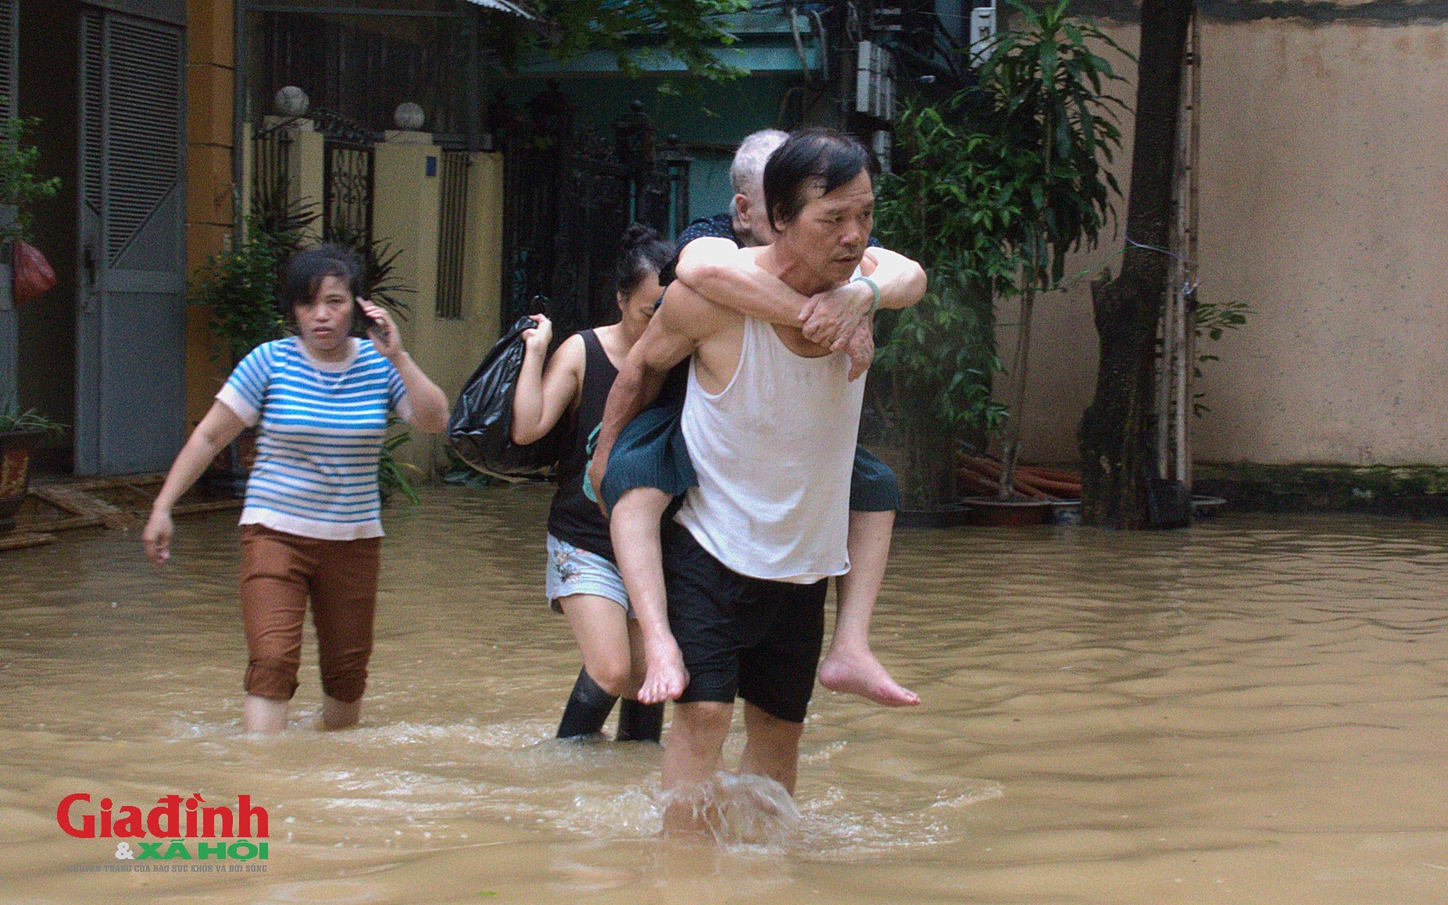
x=588, y=708
x=640, y=722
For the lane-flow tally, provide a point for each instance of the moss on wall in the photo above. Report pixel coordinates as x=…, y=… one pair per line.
x=1412, y=490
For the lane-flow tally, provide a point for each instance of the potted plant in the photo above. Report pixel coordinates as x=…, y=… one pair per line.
x=1049, y=108
x=939, y=207
x=994, y=184
x=20, y=431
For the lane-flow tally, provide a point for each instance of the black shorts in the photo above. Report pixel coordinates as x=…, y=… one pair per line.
x=747, y=637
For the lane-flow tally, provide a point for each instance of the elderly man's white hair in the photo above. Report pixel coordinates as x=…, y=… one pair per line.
x=747, y=170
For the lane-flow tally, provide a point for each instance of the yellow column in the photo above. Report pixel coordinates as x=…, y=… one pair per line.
x=210, y=72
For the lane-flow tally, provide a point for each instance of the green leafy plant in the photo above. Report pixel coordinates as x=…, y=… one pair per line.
x=994, y=186
x=391, y=473
x=1045, y=81
x=1212, y=322
x=19, y=186
x=15, y=420
x=940, y=355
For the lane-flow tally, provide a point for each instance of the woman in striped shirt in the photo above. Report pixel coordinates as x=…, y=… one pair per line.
x=311, y=527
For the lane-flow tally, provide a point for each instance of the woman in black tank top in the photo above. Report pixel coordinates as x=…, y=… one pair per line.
x=583, y=580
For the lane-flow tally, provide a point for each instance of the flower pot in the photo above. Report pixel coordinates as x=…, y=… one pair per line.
x=15, y=449
x=949, y=515
x=992, y=512
x=1065, y=512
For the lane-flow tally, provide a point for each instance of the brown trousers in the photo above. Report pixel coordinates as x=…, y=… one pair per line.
x=279, y=572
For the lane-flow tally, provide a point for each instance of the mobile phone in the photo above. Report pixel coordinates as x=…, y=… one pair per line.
x=361, y=323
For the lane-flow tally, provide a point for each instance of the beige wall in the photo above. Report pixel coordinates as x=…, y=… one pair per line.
x=1324, y=169
x=405, y=213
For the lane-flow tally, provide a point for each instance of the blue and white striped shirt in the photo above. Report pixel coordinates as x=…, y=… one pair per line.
x=322, y=427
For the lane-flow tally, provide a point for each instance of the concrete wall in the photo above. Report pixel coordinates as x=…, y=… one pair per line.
x=405, y=213
x=1324, y=167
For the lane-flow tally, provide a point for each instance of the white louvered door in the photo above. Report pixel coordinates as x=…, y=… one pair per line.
x=130, y=391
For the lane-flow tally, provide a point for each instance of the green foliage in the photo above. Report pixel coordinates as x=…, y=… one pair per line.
x=684, y=30
x=1212, y=322
x=941, y=210
x=994, y=185
x=392, y=474
x=1048, y=107
x=240, y=285
x=15, y=420
x=19, y=186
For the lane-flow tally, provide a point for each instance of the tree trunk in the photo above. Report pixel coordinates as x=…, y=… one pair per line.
x=1118, y=428
x=1012, y=445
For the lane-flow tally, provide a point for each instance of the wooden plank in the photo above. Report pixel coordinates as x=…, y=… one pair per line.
x=67, y=524
x=60, y=498
x=19, y=540
x=78, y=502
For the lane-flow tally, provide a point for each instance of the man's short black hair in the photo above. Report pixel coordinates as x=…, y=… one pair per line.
x=307, y=269
x=811, y=157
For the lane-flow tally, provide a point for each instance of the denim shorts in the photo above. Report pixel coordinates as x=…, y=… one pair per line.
x=573, y=571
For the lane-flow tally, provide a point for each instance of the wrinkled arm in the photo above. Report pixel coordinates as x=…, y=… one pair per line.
x=726, y=274
x=838, y=312
x=902, y=281
x=846, y=313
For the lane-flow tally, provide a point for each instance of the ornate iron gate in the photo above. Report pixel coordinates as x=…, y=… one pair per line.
x=569, y=196
x=347, y=179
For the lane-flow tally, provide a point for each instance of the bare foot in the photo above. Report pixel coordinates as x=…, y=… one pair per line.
x=858, y=672
x=665, y=677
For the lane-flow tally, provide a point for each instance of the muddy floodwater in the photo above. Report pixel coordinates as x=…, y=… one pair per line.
x=1254, y=710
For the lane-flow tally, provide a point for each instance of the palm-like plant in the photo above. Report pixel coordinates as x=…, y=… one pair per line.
x=995, y=184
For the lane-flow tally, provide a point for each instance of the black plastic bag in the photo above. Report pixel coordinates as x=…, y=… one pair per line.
x=481, y=426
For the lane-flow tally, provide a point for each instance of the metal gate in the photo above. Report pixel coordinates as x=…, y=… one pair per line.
x=347, y=180
x=569, y=195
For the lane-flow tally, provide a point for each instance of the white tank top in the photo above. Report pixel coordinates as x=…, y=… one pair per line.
x=773, y=452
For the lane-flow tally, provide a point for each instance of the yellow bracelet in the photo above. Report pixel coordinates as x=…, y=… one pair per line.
x=875, y=303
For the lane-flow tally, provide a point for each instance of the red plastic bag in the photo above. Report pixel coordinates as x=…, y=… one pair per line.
x=34, y=276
